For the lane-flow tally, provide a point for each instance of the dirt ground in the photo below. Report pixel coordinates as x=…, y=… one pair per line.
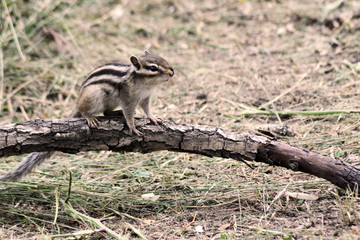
x=230, y=58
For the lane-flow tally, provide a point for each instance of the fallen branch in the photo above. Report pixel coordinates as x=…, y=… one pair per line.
x=73, y=135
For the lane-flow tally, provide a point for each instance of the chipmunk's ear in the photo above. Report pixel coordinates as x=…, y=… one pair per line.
x=136, y=62
x=146, y=53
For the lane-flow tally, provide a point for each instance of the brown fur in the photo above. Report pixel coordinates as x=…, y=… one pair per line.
x=104, y=93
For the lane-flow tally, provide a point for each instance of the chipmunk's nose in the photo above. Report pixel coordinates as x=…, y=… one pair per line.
x=171, y=72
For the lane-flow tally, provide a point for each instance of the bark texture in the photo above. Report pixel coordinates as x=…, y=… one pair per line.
x=72, y=135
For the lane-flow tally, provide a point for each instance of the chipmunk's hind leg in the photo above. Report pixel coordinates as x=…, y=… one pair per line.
x=91, y=120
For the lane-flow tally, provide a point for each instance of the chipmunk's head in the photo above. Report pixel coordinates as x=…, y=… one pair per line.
x=153, y=67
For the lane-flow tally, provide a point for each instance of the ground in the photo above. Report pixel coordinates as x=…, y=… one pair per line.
x=230, y=58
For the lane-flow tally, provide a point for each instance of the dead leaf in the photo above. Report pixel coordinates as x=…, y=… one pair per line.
x=303, y=196
x=150, y=196
x=199, y=229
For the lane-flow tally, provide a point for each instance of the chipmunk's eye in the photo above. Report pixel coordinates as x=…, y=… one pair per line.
x=153, y=68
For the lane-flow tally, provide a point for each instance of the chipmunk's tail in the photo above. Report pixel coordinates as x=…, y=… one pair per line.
x=29, y=163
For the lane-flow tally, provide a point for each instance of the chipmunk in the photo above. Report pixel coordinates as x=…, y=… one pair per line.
x=106, y=88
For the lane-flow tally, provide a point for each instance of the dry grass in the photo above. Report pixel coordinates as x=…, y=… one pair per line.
x=229, y=57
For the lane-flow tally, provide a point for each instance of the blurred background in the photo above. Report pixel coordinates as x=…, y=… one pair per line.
x=240, y=65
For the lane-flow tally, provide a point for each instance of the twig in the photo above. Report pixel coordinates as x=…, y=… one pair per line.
x=19, y=184
x=289, y=113
x=263, y=231
x=56, y=205
x=76, y=234
x=69, y=188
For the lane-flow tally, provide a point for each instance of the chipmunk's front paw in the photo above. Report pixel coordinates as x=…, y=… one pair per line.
x=156, y=120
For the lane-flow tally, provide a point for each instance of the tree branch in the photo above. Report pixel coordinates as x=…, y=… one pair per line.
x=72, y=135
